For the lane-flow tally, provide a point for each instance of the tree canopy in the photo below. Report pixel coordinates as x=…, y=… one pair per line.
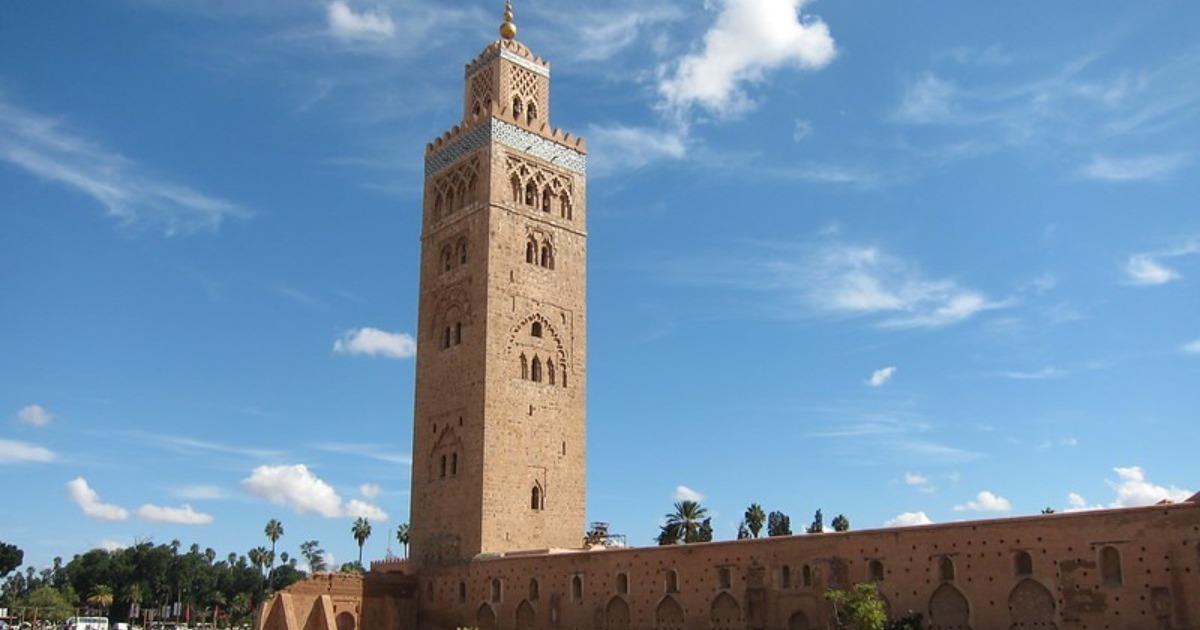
x=11, y=557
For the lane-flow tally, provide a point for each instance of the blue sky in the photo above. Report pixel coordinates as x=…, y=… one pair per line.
x=909, y=262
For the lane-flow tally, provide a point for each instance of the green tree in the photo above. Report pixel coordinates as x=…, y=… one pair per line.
x=51, y=604
x=101, y=598
x=818, y=524
x=743, y=531
x=755, y=517
x=11, y=557
x=1047, y=511
x=361, y=531
x=779, y=524
x=402, y=533
x=841, y=523
x=273, y=530
x=685, y=524
x=858, y=609
x=314, y=555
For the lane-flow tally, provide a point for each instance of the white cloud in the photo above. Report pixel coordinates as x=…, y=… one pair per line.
x=879, y=378
x=40, y=146
x=986, y=502
x=909, y=519
x=89, y=502
x=926, y=100
x=376, y=343
x=801, y=130
x=749, y=39
x=684, y=493
x=370, y=490
x=110, y=545
x=296, y=487
x=13, y=452
x=356, y=509
x=346, y=24
x=1149, y=167
x=196, y=493
x=179, y=516
x=914, y=479
x=35, y=415
x=1144, y=270
x=1043, y=374
x=1192, y=348
x=1135, y=490
x=614, y=148
x=1076, y=503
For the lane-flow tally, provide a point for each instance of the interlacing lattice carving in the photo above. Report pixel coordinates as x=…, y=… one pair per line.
x=481, y=94
x=456, y=189
x=527, y=90
x=539, y=188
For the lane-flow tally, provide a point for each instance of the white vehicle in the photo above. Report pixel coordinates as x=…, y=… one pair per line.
x=86, y=623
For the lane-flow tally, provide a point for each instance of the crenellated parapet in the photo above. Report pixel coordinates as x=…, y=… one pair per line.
x=511, y=50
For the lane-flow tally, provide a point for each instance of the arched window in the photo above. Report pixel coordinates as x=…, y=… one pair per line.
x=536, y=329
x=530, y=194
x=462, y=251
x=785, y=576
x=550, y=371
x=447, y=259
x=622, y=584
x=535, y=372
x=446, y=338
x=437, y=206
x=672, y=581
x=1022, y=564
x=531, y=251
x=475, y=111
x=531, y=112
x=547, y=256
x=546, y=199
x=497, y=588
x=1110, y=566
x=533, y=589
x=516, y=188
x=535, y=498
x=472, y=187
x=723, y=580
x=457, y=333
x=450, y=201
x=875, y=571
x=524, y=368
x=946, y=566
x=462, y=592
x=564, y=206
x=806, y=576
x=577, y=588
x=453, y=464
x=442, y=472
x=564, y=377
x=516, y=107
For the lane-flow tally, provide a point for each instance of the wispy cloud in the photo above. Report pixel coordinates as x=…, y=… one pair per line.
x=14, y=452
x=1043, y=374
x=372, y=342
x=89, y=501
x=749, y=39
x=44, y=147
x=909, y=519
x=1151, y=269
x=881, y=377
x=617, y=147
x=193, y=446
x=1191, y=348
x=684, y=493
x=344, y=22
x=1134, y=169
x=34, y=415
x=372, y=451
x=201, y=493
x=985, y=501
x=184, y=515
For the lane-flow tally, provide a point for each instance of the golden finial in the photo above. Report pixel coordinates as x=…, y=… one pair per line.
x=508, y=30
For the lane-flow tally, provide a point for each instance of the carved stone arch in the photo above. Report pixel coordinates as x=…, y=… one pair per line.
x=346, y=621
x=668, y=615
x=550, y=335
x=445, y=449
x=526, y=616
x=485, y=618
x=1031, y=605
x=949, y=609
x=725, y=613
x=616, y=614
x=453, y=305
x=798, y=621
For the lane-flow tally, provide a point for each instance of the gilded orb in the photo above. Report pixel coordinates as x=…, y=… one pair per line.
x=508, y=30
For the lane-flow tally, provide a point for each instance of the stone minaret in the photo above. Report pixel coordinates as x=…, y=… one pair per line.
x=499, y=428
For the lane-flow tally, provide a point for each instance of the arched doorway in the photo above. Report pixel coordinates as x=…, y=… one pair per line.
x=668, y=615
x=1031, y=605
x=616, y=614
x=526, y=617
x=949, y=609
x=725, y=613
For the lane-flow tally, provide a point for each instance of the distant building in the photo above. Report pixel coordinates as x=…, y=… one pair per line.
x=498, y=479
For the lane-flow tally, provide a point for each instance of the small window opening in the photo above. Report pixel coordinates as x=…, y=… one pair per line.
x=443, y=468
x=546, y=198
x=496, y=590
x=462, y=252
x=457, y=333
x=516, y=189
x=622, y=584
x=547, y=257
x=723, y=578
x=785, y=577
x=947, y=569
x=535, y=372
x=453, y=464
x=564, y=206
x=536, y=329
x=672, y=582
x=524, y=368
x=533, y=589
x=1110, y=566
x=535, y=498
x=516, y=106
x=530, y=194
x=447, y=260
x=550, y=371
x=875, y=571
x=446, y=338
x=450, y=201
x=531, y=112
x=806, y=576
x=530, y=252
x=1023, y=563
x=462, y=592
x=577, y=588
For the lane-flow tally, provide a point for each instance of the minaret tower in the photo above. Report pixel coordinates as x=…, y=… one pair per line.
x=499, y=420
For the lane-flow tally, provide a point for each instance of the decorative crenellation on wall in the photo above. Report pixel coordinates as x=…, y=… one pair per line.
x=552, y=145
x=513, y=51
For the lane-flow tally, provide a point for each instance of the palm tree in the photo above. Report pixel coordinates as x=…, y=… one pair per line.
x=402, y=536
x=101, y=597
x=361, y=531
x=755, y=517
x=684, y=524
x=273, y=530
